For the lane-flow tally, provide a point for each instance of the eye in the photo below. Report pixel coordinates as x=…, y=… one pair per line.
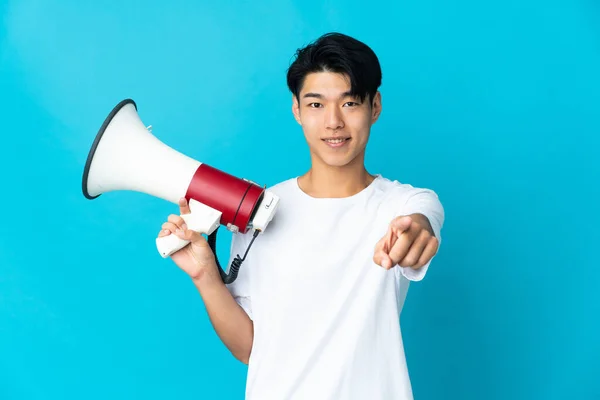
x=351, y=104
x=314, y=105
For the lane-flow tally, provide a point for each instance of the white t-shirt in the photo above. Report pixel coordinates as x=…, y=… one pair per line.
x=326, y=317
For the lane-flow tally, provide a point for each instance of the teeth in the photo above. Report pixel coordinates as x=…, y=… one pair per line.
x=334, y=140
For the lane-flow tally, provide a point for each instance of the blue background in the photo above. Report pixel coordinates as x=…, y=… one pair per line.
x=494, y=105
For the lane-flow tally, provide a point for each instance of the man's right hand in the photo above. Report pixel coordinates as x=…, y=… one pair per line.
x=196, y=258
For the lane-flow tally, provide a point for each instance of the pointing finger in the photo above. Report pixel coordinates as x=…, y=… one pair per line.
x=388, y=240
x=402, y=224
x=380, y=256
x=400, y=248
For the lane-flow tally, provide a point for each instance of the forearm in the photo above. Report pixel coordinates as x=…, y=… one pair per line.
x=230, y=321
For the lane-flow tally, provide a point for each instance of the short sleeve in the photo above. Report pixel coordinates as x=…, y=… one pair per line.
x=426, y=202
x=240, y=288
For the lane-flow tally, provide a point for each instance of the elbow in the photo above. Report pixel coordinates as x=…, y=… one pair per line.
x=243, y=357
x=244, y=345
x=242, y=353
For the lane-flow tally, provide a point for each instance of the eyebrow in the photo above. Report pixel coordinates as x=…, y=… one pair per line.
x=320, y=96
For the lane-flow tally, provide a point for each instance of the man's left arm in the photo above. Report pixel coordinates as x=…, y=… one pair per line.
x=414, y=236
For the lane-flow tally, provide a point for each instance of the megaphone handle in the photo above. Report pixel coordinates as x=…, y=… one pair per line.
x=202, y=219
x=170, y=244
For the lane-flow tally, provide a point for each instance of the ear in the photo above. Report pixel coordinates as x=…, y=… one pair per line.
x=376, y=107
x=296, y=109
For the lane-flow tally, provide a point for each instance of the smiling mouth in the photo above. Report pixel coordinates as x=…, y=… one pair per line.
x=335, y=140
x=336, y=143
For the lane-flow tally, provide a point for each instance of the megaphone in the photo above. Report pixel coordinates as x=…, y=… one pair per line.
x=125, y=155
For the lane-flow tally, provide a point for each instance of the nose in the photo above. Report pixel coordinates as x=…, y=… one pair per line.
x=333, y=119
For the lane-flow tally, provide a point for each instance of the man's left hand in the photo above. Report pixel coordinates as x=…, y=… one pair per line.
x=409, y=242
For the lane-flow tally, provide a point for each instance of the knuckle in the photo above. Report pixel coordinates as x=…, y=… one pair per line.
x=410, y=261
x=176, y=219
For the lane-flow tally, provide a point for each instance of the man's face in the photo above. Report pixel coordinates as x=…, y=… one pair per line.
x=335, y=124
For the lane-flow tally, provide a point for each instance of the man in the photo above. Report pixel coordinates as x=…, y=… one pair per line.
x=315, y=309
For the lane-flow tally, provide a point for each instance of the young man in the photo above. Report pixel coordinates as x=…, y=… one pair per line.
x=315, y=309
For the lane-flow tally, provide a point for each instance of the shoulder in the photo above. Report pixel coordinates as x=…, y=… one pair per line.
x=404, y=198
x=395, y=190
x=283, y=187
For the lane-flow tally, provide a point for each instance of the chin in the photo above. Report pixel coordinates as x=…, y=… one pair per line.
x=337, y=162
x=336, y=159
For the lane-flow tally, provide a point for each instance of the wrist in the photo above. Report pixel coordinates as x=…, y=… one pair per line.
x=206, y=276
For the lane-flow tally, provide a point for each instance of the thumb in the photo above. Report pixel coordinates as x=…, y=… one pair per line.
x=386, y=261
x=380, y=255
x=383, y=259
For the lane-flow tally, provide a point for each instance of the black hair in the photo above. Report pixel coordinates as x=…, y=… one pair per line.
x=339, y=53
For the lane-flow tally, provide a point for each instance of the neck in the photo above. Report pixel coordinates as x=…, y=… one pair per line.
x=325, y=181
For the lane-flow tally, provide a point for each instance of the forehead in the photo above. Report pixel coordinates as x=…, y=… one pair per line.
x=326, y=83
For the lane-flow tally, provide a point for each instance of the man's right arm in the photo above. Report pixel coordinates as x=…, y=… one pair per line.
x=230, y=321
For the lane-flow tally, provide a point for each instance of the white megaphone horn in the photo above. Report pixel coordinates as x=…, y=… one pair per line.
x=126, y=156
